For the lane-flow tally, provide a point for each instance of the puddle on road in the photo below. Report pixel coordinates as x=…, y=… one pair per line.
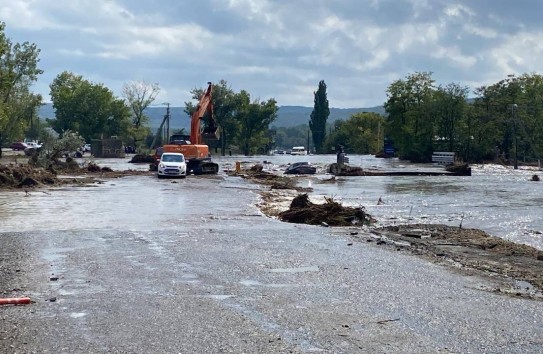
x=218, y=297
x=77, y=314
x=295, y=270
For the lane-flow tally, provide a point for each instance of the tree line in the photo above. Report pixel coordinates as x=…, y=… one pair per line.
x=94, y=112
x=502, y=121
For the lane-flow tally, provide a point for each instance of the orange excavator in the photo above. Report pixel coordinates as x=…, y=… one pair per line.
x=193, y=147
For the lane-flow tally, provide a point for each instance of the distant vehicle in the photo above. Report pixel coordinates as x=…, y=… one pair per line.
x=279, y=152
x=19, y=146
x=300, y=168
x=298, y=150
x=33, y=144
x=87, y=148
x=172, y=164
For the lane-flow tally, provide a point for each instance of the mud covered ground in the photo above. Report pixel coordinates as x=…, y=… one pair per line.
x=516, y=269
x=16, y=173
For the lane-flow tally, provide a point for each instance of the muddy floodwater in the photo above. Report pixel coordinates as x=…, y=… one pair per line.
x=497, y=199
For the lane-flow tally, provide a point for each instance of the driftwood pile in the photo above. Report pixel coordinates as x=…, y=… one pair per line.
x=331, y=213
x=19, y=176
x=141, y=158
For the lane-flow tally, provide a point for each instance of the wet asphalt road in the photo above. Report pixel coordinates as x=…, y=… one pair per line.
x=148, y=266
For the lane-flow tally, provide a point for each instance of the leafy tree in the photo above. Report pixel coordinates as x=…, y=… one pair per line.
x=223, y=112
x=139, y=95
x=18, y=70
x=242, y=122
x=449, y=109
x=287, y=137
x=319, y=116
x=509, y=118
x=410, y=117
x=254, y=119
x=87, y=108
x=360, y=134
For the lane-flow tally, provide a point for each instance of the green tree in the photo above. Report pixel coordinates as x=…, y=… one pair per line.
x=254, y=119
x=223, y=100
x=242, y=123
x=139, y=95
x=410, y=122
x=18, y=71
x=509, y=118
x=360, y=134
x=450, y=103
x=318, y=118
x=87, y=108
x=287, y=137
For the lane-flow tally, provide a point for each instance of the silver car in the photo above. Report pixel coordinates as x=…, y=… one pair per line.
x=172, y=164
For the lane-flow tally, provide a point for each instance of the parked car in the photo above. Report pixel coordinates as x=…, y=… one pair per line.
x=300, y=168
x=87, y=148
x=33, y=144
x=19, y=146
x=172, y=164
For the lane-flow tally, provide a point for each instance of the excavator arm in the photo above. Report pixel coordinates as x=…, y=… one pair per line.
x=196, y=151
x=204, y=106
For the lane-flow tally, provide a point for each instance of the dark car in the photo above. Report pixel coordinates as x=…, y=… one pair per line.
x=19, y=146
x=300, y=168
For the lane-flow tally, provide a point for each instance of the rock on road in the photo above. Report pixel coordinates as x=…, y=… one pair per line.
x=137, y=265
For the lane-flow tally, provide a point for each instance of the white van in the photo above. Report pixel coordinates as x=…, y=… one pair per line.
x=298, y=150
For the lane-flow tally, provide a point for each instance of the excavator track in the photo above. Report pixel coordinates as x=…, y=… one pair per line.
x=199, y=167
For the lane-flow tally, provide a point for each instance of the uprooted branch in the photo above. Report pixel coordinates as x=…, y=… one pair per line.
x=303, y=211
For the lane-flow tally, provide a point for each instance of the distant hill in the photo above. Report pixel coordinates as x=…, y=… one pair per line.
x=287, y=116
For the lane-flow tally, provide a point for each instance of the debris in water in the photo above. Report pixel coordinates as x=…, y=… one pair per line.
x=331, y=213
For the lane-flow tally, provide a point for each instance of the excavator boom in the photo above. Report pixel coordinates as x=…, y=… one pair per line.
x=195, y=151
x=204, y=106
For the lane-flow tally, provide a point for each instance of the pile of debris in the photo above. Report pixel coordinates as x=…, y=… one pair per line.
x=331, y=213
x=18, y=176
x=257, y=174
x=461, y=169
x=141, y=158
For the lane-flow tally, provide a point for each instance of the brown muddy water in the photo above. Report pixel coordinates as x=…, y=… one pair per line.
x=497, y=199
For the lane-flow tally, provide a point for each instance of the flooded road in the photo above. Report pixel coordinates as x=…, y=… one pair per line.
x=138, y=265
x=497, y=199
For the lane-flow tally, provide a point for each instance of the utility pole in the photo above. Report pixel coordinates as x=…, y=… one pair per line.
x=167, y=121
x=513, y=106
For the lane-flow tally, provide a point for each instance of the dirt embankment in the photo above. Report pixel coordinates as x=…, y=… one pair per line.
x=515, y=269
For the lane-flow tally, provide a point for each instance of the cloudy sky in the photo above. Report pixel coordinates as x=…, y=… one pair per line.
x=279, y=49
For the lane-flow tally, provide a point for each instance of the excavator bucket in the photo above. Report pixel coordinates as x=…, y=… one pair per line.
x=211, y=133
